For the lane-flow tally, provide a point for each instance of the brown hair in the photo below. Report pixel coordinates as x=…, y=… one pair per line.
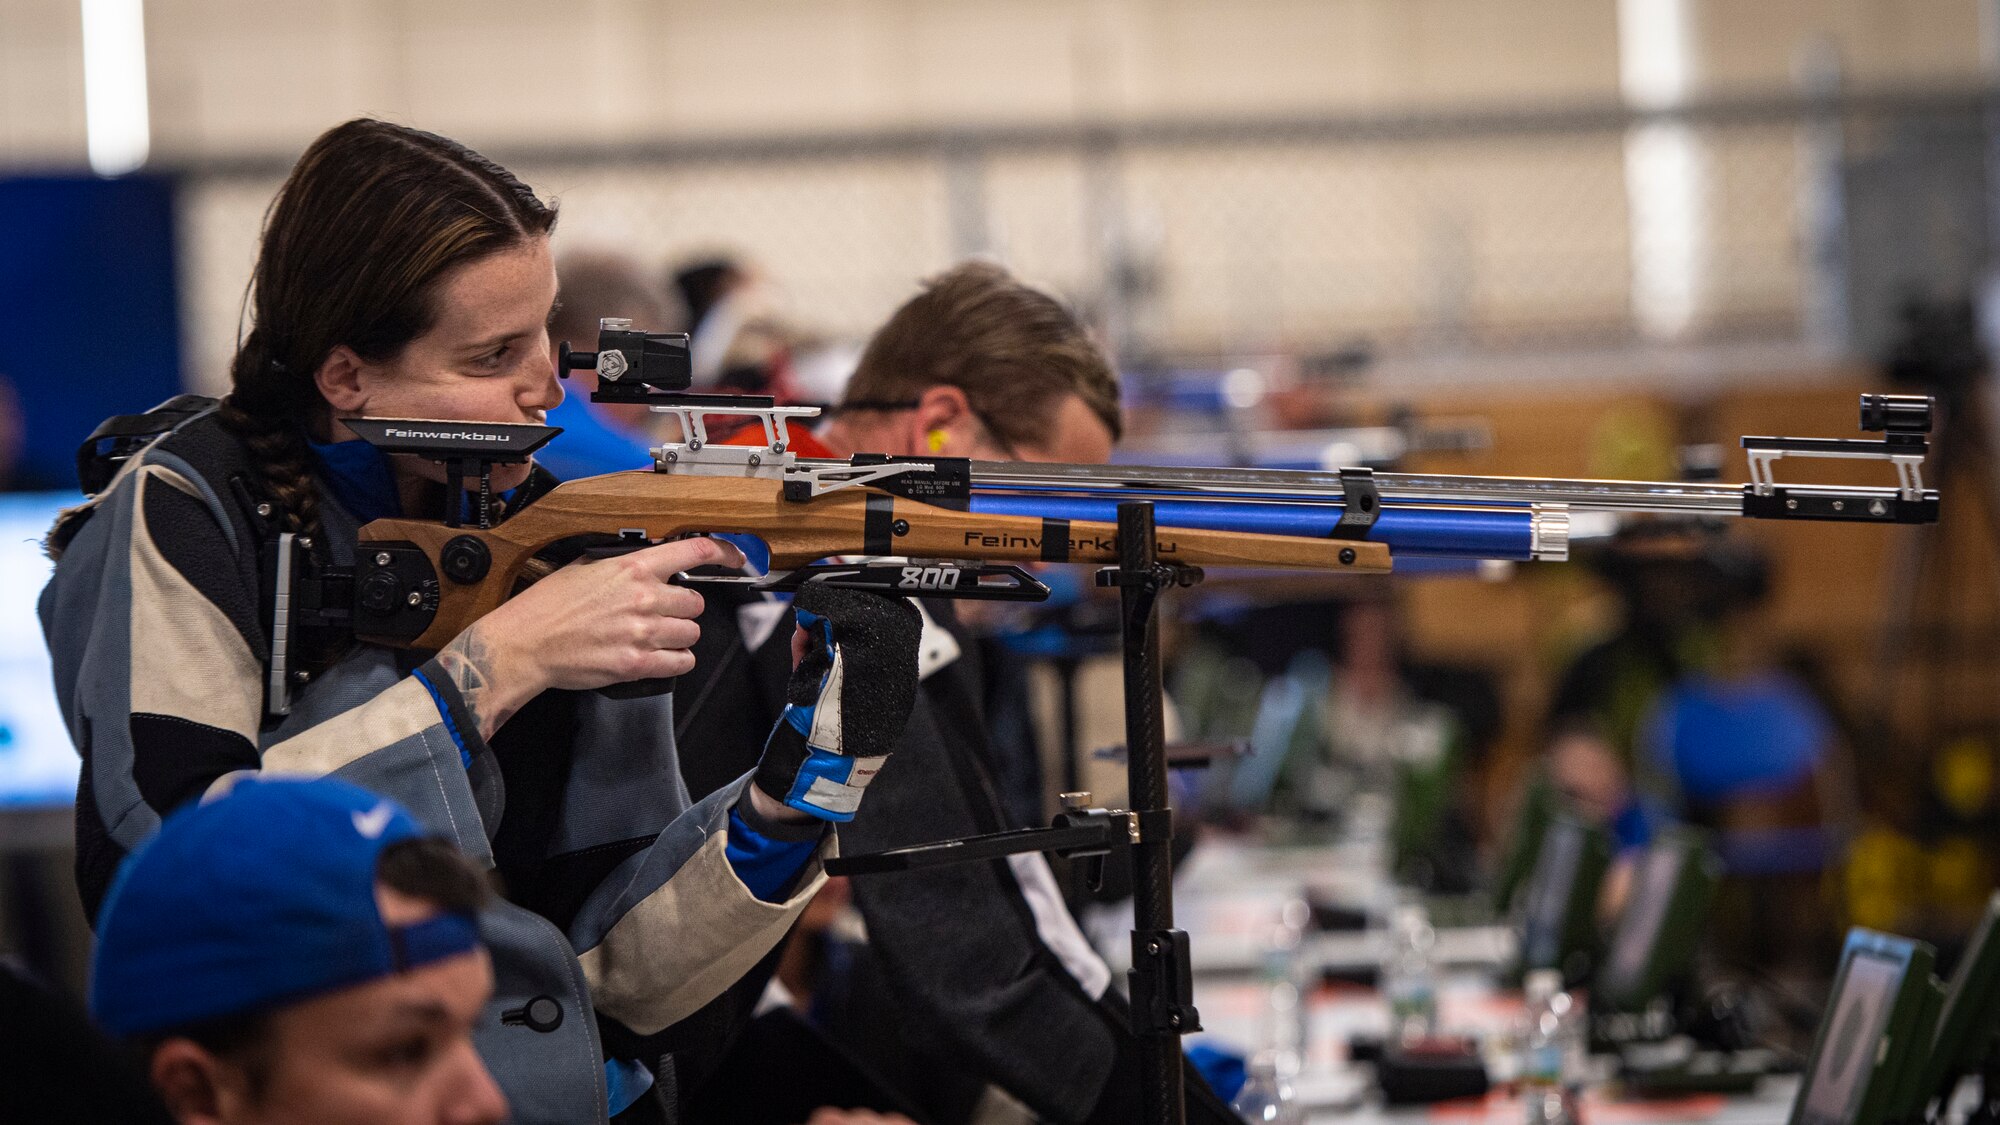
x=370, y=220
x=1010, y=347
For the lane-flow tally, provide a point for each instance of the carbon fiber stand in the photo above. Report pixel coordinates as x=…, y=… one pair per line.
x=1161, y=982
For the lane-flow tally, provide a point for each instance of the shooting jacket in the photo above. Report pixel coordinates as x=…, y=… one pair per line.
x=623, y=906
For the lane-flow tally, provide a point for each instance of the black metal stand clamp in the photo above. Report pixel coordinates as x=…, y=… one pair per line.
x=1161, y=981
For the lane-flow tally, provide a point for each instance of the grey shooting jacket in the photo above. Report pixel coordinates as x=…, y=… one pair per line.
x=157, y=629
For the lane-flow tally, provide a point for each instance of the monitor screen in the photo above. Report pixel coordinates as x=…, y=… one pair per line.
x=1547, y=905
x=1970, y=1017
x=38, y=764
x=1524, y=843
x=1639, y=928
x=1958, y=1001
x=1853, y=1039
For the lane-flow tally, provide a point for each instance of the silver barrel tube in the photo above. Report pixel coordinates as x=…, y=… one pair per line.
x=1308, y=487
x=1294, y=486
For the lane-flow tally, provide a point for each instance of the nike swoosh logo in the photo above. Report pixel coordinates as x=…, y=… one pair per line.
x=372, y=823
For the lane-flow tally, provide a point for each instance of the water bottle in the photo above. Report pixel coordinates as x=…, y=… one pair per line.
x=1548, y=1049
x=1285, y=993
x=1266, y=1095
x=1407, y=979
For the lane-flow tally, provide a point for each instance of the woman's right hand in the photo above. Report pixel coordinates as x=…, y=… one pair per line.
x=593, y=623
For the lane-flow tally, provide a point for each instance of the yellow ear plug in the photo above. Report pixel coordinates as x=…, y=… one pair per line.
x=936, y=440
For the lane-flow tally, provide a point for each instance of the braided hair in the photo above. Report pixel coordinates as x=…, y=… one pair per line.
x=355, y=244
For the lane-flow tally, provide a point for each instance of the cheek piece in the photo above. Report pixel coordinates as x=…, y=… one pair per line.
x=847, y=701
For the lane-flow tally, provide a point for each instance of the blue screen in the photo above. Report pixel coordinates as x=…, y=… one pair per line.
x=37, y=762
x=89, y=313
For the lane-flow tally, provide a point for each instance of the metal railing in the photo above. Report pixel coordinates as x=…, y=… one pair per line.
x=1444, y=233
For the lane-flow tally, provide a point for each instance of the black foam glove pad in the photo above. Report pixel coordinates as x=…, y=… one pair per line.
x=847, y=700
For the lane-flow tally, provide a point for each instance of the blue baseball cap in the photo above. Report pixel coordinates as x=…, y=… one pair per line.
x=258, y=898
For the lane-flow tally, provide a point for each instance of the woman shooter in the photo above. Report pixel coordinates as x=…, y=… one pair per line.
x=402, y=275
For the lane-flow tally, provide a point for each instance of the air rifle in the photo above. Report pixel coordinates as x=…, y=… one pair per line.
x=962, y=528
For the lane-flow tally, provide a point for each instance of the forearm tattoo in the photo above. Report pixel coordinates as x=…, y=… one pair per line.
x=469, y=663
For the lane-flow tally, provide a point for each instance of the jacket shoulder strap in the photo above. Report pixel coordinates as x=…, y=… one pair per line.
x=121, y=437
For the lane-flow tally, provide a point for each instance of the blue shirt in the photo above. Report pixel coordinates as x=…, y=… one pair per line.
x=1728, y=738
x=359, y=476
x=588, y=445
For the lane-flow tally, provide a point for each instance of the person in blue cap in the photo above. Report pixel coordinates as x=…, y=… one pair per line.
x=332, y=974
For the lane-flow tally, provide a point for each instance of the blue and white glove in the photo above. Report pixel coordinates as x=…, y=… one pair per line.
x=847, y=702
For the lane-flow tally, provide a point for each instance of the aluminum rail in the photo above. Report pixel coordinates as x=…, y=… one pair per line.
x=1305, y=486
x=1524, y=119
x=1903, y=419
x=1286, y=486
x=1308, y=487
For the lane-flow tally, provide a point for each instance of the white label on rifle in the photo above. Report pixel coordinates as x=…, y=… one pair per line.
x=929, y=578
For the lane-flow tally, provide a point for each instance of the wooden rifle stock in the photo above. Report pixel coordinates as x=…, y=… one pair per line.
x=857, y=520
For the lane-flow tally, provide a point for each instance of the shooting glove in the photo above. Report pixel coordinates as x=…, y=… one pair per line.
x=847, y=702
